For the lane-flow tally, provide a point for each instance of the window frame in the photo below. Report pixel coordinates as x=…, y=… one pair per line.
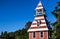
x=41, y=34
x=38, y=23
x=34, y=34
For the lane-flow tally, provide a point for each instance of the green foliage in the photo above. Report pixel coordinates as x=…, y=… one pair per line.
x=19, y=34
x=28, y=24
x=56, y=29
x=58, y=3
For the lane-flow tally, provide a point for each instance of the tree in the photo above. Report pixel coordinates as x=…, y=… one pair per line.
x=19, y=34
x=22, y=34
x=28, y=24
x=11, y=35
x=24, y=30
x=1, y=34
x=56, y=29
x=4, y=35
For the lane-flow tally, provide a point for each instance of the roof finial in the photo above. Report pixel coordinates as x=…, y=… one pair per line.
x=40, y=3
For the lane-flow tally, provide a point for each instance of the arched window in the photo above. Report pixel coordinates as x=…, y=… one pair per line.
x=41, y=34
x=38, y=22
x=33, y=34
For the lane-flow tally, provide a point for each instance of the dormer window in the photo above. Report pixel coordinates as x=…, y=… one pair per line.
x=38, y=22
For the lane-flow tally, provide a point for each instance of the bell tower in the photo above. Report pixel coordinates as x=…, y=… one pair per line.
x=39, y=28
x=39, y=9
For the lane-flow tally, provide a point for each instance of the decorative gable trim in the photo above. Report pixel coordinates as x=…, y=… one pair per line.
x=40, y=29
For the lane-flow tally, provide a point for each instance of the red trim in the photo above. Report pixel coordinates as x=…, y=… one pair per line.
x=38, y=27
x=40, y=6
x=39, y=19
x=41, y=23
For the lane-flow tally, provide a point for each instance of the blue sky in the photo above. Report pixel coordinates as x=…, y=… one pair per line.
x=15, y=13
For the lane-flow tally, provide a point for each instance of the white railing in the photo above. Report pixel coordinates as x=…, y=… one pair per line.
x=40, y=13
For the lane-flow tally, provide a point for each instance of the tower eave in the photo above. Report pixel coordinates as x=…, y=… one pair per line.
x=40, y=29
x=39, y=8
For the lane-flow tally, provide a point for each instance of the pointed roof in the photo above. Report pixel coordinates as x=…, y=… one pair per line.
x=39, y=5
